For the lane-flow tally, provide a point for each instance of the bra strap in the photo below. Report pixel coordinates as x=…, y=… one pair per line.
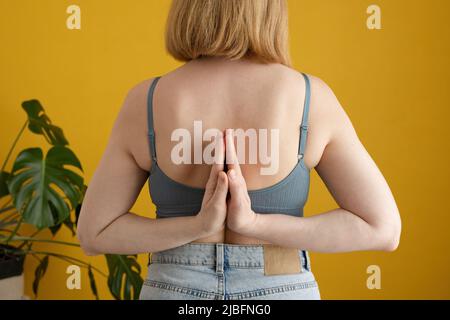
x=151, y=128
x=304, y=124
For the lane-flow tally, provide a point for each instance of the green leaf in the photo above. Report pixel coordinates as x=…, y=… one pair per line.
x=54, y=229
x=71, y=225
x=39, y=274
x=39, y=123
x=3, y=184
x=92, y=282
x=36, y=184
x=67, y=222
x=124, y=279
x=11, y=222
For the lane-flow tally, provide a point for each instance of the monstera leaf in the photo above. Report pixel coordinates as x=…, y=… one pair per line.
x=39, y=123
x=66, y=222
x=124, y=276
x=3, y=186
x=35, y=182
x=92, y=282
x=39, y=273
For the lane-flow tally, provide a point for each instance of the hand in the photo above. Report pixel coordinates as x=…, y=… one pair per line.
x=240, y=216
x=213, y=213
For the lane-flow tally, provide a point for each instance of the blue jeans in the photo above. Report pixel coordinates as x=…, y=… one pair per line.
x=218, y=271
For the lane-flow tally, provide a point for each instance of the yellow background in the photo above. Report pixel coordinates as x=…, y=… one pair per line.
x=394, y=84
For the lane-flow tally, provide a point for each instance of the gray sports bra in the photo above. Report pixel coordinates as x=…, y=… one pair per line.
x=174, y=199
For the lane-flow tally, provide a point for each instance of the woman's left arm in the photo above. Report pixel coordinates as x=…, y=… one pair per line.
x=367, y=217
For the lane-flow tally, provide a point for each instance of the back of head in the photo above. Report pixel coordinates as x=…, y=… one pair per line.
x=234, y=29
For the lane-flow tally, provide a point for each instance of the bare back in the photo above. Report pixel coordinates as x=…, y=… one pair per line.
x=227, y=94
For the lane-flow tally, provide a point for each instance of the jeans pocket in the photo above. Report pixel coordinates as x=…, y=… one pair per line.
x=156, y=290
x=302, y=290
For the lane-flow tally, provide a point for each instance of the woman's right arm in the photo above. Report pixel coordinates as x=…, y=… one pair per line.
x=367, y=217
x=106, y=224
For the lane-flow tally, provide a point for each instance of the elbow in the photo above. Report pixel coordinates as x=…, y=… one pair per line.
x=391, y=242
x=87, y=241
x=389, y=235
x=87, y=245
x=88, y=249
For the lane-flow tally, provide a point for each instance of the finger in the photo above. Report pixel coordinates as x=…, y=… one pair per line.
x=221, y=190
x=219, y=154
x=219, y=158
x=231, y=156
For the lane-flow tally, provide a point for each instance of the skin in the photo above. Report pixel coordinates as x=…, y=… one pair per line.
x=237, y=94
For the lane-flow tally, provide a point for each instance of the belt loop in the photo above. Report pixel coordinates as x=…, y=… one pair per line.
x=219, y=257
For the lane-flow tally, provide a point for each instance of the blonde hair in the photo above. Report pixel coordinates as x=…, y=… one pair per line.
x=228, y=28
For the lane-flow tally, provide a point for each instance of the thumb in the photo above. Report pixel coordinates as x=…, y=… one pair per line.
x=220, y=193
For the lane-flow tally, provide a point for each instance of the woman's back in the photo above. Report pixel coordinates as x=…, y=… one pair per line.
x=266, y=101
x=213, y=93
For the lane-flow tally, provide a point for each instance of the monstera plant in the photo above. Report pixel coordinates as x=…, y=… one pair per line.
x=44, y=190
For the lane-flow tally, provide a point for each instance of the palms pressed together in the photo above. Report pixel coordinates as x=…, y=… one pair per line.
x=218, y=210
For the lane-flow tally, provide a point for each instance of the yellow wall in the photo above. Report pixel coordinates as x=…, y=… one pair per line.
x=392, y=82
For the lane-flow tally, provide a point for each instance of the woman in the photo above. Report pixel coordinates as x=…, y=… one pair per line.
x=225, y=230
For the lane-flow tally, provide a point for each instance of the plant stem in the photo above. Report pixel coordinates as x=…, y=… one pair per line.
x=59, y=256
x=14, y=144
x=36, y=257
x=35, y=233
x=27, y=242
x=9, y=218
x=15, y=230
x=83, y=264
x=71, y=260
x=14, y=238
x=7, y=202
x=32, y=236
x=6, y=209
x=7, y=230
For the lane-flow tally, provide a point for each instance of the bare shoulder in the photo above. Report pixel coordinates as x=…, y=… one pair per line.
x=129, y=131
x=133, y=109
x=136, y=96
x=326, y=110
x=327, y=120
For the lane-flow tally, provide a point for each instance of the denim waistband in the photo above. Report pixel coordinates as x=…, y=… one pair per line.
x=220, y=255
